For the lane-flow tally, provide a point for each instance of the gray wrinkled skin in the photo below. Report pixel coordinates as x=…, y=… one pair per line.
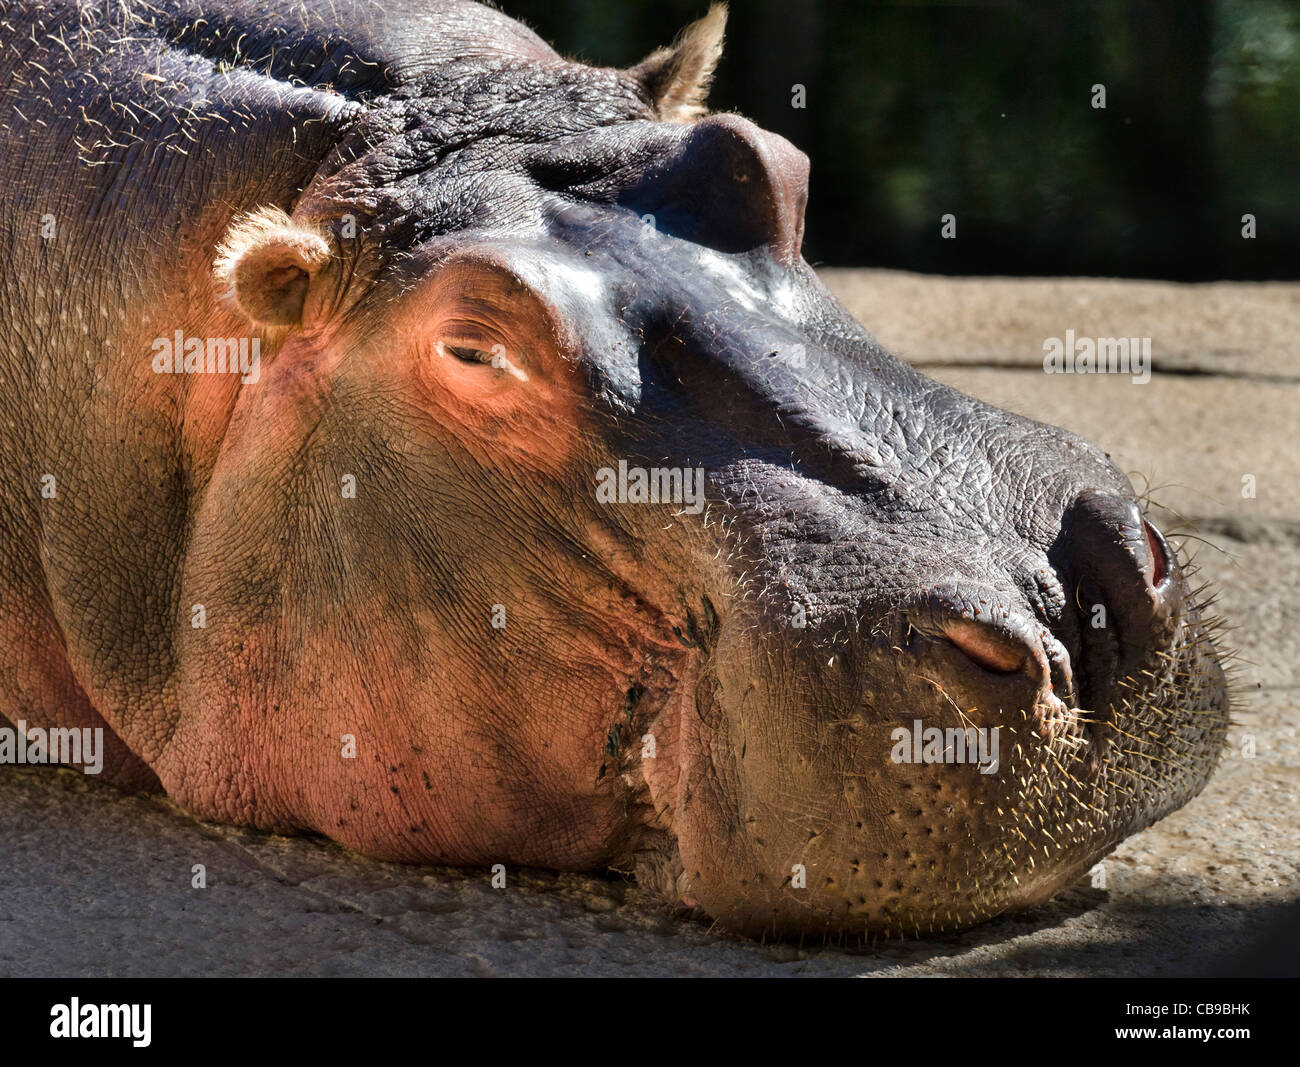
x=877, y=549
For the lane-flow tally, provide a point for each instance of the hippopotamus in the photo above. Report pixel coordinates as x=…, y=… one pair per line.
x=417, y=438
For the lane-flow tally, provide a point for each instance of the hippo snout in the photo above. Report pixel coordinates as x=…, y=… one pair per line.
x=984, y=688
x=1118, y=566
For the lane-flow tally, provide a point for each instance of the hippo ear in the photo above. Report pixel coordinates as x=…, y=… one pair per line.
x=677, y=78
x=266, y=261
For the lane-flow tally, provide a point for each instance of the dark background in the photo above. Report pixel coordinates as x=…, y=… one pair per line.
x=983, y=109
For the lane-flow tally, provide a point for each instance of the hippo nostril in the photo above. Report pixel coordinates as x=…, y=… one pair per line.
x=1125, y=582
x=1112, y=544
x=991, y=650
x=1160, y=556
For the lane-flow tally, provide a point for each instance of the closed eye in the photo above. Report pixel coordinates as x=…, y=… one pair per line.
x=467, y=354
x=497, y=358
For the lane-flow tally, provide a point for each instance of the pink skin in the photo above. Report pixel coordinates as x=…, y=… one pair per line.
x=455, y=762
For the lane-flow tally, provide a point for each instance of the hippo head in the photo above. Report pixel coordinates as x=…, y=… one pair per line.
x=573, y=523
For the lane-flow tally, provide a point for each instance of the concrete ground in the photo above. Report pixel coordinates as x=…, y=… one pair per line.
x=93, y=883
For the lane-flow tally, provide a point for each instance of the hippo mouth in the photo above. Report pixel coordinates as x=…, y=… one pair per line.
x=821, y=832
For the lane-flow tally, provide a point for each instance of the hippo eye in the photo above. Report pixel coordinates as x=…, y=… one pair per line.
x=483, y=327
x=467, y=354
x=496, y=357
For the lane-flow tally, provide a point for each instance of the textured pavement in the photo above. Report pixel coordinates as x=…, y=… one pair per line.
x=94, y=883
